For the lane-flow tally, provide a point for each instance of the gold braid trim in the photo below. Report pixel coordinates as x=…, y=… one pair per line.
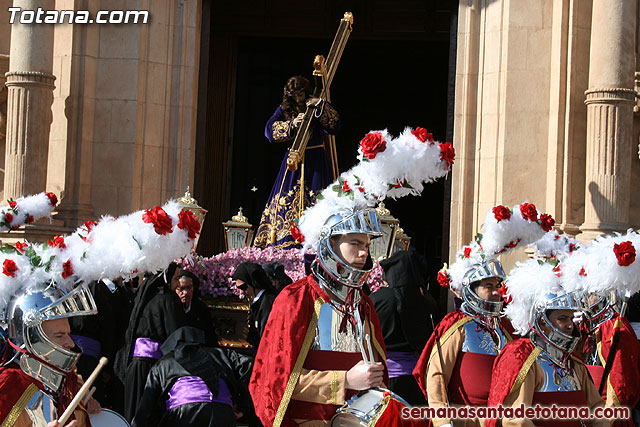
x=525, y=369
x=20, y=405
x=297, y=368
x=445, y=337
x=385, y=402
x=334, y=387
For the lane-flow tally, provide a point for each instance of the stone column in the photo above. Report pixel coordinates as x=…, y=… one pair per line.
x=610, y=100
x=30, y=81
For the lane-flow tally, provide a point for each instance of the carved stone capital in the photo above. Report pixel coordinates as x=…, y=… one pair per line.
x=30, y=78
x=610, y=95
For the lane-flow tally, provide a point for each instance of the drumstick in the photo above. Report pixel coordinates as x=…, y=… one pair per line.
x=89, y=395
x=368, y=339
x=82, y=392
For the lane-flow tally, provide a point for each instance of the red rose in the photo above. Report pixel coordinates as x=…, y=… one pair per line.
x=12, y=204
x=296, y=234
x=187, y=221
x=398, y=184
x=8, y=217
x=503, y=293
x=443, y=279
x=514, y=243
x=58, y=242
x=547, y=222
x=582, y=272
x=20, y=246
x=9, y=267
x=345, y=187
x=572, y=247
x=361, y=188
x=52, y=199
x=30, y=219
x=467, y=252
x=158, y=217
x=422, y=134
x=372, y=144
x=447, y=153
x=90, y=224
x=558, y=270
x=501, y=213
x=529, y=211
x=625, y=252
x=67, y=270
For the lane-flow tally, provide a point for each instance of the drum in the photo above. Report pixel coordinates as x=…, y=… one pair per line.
x=108, y=418
x=366, y=409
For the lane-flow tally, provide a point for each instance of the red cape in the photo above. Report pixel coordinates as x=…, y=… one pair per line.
x=449, y=324
x=15, y=384
x=284, y=346
x=625, y=374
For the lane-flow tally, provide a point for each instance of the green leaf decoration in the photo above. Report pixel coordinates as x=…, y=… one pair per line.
x=9, y=249
x=137, y=243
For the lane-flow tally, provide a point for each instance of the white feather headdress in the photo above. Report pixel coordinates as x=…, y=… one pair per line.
x=26, y=210
x=387, y=167
x=504, y=230
x=555, y=245
x=526, y=282
x=144, y=241
x=608, y=264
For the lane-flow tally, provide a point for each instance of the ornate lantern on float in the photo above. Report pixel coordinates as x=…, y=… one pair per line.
x=402, y=241
x=189, y=203
x=238, y=233
x=382, y=247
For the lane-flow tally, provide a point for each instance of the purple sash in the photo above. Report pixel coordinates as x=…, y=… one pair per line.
x=146, y=347
x=89, y=346
x=401, y=363
x=193, y=390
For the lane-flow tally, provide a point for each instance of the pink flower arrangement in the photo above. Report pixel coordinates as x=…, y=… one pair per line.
x=215, y=272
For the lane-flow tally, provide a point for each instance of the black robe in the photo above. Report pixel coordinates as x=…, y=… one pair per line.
x=405, y=315
x=156, y=314
x=199, y=316
x=189, y=359
x=258, y=316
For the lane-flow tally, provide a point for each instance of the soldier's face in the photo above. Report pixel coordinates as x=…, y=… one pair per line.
x=489, y=289
x=562, y=320
x=59, y=332
x=352, y=248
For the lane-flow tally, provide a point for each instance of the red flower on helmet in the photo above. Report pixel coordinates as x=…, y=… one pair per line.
x=443, y=279
x=9, y=267
x=29, y=219
x=372, y=144
x=12, y=204
x=501, y=213
x=345, y=187
x=67, y=270
x=547, y=222
x=625, y=253
x=57, y=242
x=90, y=224
x=467, y=252
x=503, y=293
x=297, y=234
x=52, y=199
x=447, y=153
x=157, y=216
x=572, y=247
x=187, y=221
x=582, y=272
x=361, y=188
x=21, y=246
x=529, y=211
x=422, y=134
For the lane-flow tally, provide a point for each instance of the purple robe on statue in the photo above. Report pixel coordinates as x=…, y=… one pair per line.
x=288, y=199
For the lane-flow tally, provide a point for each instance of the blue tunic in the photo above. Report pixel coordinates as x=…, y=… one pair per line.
x=288, y=199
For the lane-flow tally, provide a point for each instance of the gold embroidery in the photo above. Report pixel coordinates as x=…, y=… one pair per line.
x=297, y=368
x=385, y=402
x=334, y=387
x=329, y=117
x=281, y=131
x=525, y=369
x=19, y=406
x=376, y=344
x=279, y=217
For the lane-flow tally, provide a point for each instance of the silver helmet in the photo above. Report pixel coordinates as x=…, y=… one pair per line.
x=601, y=309
x=555, y=343
x=25, y=316
x=486, y=270
x=329, y=264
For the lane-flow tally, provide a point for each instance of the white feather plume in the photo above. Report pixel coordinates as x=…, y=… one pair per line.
x=108, y=249
x=401, y=169
x=25, y=210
